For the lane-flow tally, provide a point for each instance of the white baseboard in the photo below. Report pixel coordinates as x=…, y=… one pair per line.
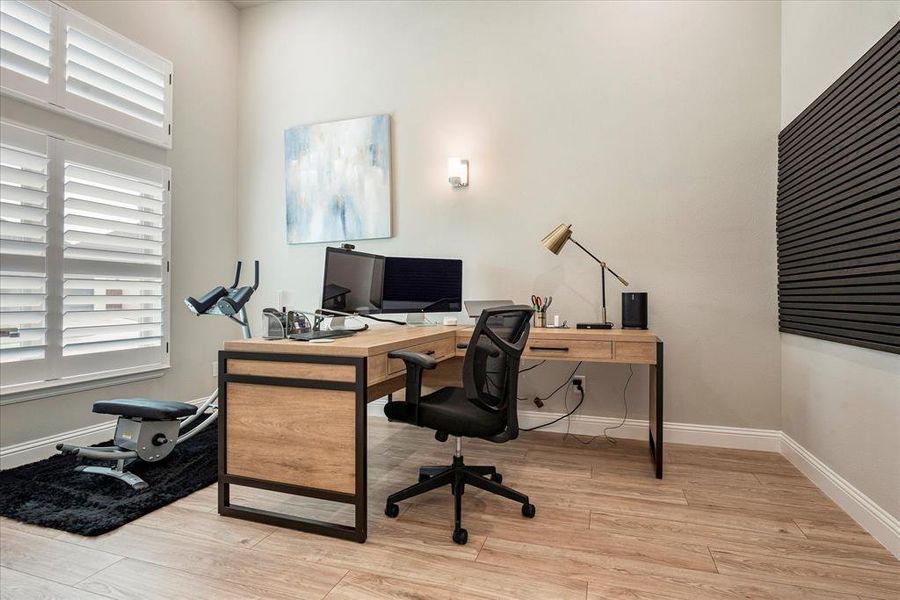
x=740, y=438
x=375, y=408
x=45, y=447
x=883, y=526
x=16, y=455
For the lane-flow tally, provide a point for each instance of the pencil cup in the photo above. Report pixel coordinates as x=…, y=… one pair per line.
x=539, y=317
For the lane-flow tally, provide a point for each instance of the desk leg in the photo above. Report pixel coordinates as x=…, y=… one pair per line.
x=272, y=436
x=362, y=463
x=656, y=410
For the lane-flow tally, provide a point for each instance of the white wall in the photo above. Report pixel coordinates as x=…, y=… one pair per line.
x=650, y=126
x=201, y=38
x=840, y=402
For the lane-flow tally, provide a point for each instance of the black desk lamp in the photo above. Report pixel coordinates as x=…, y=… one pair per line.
x=554, y=242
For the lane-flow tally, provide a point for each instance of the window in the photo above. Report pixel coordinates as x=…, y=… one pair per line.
x=26, y=38
x=83, y=263
x=24, y=204
x=56, y=57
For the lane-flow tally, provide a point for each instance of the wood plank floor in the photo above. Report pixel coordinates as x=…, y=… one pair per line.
x=722, y=524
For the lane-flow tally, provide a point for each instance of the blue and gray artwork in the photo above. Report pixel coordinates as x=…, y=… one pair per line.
x=338, y=180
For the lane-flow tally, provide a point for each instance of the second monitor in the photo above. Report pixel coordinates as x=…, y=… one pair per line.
x=421, y=285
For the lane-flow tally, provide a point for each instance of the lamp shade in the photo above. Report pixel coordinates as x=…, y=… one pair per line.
x=556, y=239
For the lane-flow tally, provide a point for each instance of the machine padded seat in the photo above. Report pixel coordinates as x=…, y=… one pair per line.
x=156, y=410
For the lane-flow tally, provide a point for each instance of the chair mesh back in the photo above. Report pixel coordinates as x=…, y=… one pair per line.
x=491, y=369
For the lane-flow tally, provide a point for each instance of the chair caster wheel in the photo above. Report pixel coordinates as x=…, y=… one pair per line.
x=496, y=477
x=391, y=510
x=528, y=510
x=460, y=536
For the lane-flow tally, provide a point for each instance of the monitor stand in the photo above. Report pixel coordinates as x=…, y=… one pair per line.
x=338, y=323
x=418, y=320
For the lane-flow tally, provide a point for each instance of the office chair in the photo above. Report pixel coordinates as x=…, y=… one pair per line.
x=485, y=408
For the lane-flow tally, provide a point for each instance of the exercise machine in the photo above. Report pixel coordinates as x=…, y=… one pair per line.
x=148, y=430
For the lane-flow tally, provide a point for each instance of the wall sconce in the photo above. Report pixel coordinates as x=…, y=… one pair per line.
x=458, y=172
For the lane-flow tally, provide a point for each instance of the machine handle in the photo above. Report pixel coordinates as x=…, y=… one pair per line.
x=67, y=448
x=237, y=275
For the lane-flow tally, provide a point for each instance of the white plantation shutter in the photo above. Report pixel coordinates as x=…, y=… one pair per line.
x=84, y=262
x=113, y=80
x=24, y=183
x=114, y=260
x=26, y=40
x=59, y=58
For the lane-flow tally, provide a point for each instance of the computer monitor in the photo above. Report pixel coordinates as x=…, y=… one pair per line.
x=353, y=282
x=420, y=285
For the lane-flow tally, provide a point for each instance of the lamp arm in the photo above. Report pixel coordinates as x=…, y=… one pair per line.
x=589, y=253
x=625, y=283
x=602, y=264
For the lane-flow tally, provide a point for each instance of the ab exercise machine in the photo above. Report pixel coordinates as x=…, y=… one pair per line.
x=149, y=430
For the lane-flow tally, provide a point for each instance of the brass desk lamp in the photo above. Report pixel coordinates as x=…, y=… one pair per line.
x=554, y=242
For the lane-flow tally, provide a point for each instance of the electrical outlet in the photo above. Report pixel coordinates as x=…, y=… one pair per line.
x=215, y=368
x=580, y=379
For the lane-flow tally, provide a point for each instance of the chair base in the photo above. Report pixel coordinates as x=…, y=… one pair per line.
x=458, y=476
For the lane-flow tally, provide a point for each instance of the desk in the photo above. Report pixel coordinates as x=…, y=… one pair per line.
x=293, y=414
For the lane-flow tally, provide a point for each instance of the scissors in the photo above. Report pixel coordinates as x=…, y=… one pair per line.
x=537, y=302
x=547, y=302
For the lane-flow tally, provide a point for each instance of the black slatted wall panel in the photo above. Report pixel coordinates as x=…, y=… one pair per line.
x=838, y=213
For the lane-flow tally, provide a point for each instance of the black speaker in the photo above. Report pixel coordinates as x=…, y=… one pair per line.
x=634, y=310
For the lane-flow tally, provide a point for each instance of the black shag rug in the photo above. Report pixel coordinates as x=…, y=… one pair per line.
x=51, y=493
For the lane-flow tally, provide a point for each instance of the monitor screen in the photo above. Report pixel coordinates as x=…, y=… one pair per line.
x=353, y=282
x=422, y=285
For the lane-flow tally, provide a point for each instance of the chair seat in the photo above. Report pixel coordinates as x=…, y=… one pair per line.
x=156, y=410
x=448, y=410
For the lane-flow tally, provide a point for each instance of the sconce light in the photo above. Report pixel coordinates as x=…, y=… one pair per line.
x=458, y=172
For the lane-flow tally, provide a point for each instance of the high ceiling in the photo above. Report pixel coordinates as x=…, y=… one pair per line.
x=248, y=3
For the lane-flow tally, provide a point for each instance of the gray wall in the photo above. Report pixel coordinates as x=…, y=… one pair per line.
x=650, y=126
x=840, y=402
x=201, y=38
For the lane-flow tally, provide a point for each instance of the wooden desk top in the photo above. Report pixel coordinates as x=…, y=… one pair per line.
x=376, y=340
x=379, y=340
x=592, y=335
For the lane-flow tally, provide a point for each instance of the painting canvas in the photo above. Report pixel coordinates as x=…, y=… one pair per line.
x=338, y=180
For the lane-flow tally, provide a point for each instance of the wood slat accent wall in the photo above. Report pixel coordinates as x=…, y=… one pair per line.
x=838, y=211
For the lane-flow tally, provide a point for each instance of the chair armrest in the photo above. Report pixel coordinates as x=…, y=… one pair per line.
x=416, y=363
x=414, y=358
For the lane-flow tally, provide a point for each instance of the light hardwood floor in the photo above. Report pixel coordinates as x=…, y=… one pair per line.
x=722, y=524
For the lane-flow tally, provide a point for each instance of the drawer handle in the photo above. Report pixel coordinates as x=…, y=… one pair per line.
x=547, y=349
x=429, y=352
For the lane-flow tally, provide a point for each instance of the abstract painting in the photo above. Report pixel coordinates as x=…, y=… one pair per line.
x=338, y=180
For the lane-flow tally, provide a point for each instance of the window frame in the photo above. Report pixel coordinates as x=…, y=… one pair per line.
x=57, y=385
x=54, y=96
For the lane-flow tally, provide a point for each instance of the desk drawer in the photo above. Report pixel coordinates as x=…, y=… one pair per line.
x=636, y=352
x=291, y=370
x=439, y=349
x=568, y=349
